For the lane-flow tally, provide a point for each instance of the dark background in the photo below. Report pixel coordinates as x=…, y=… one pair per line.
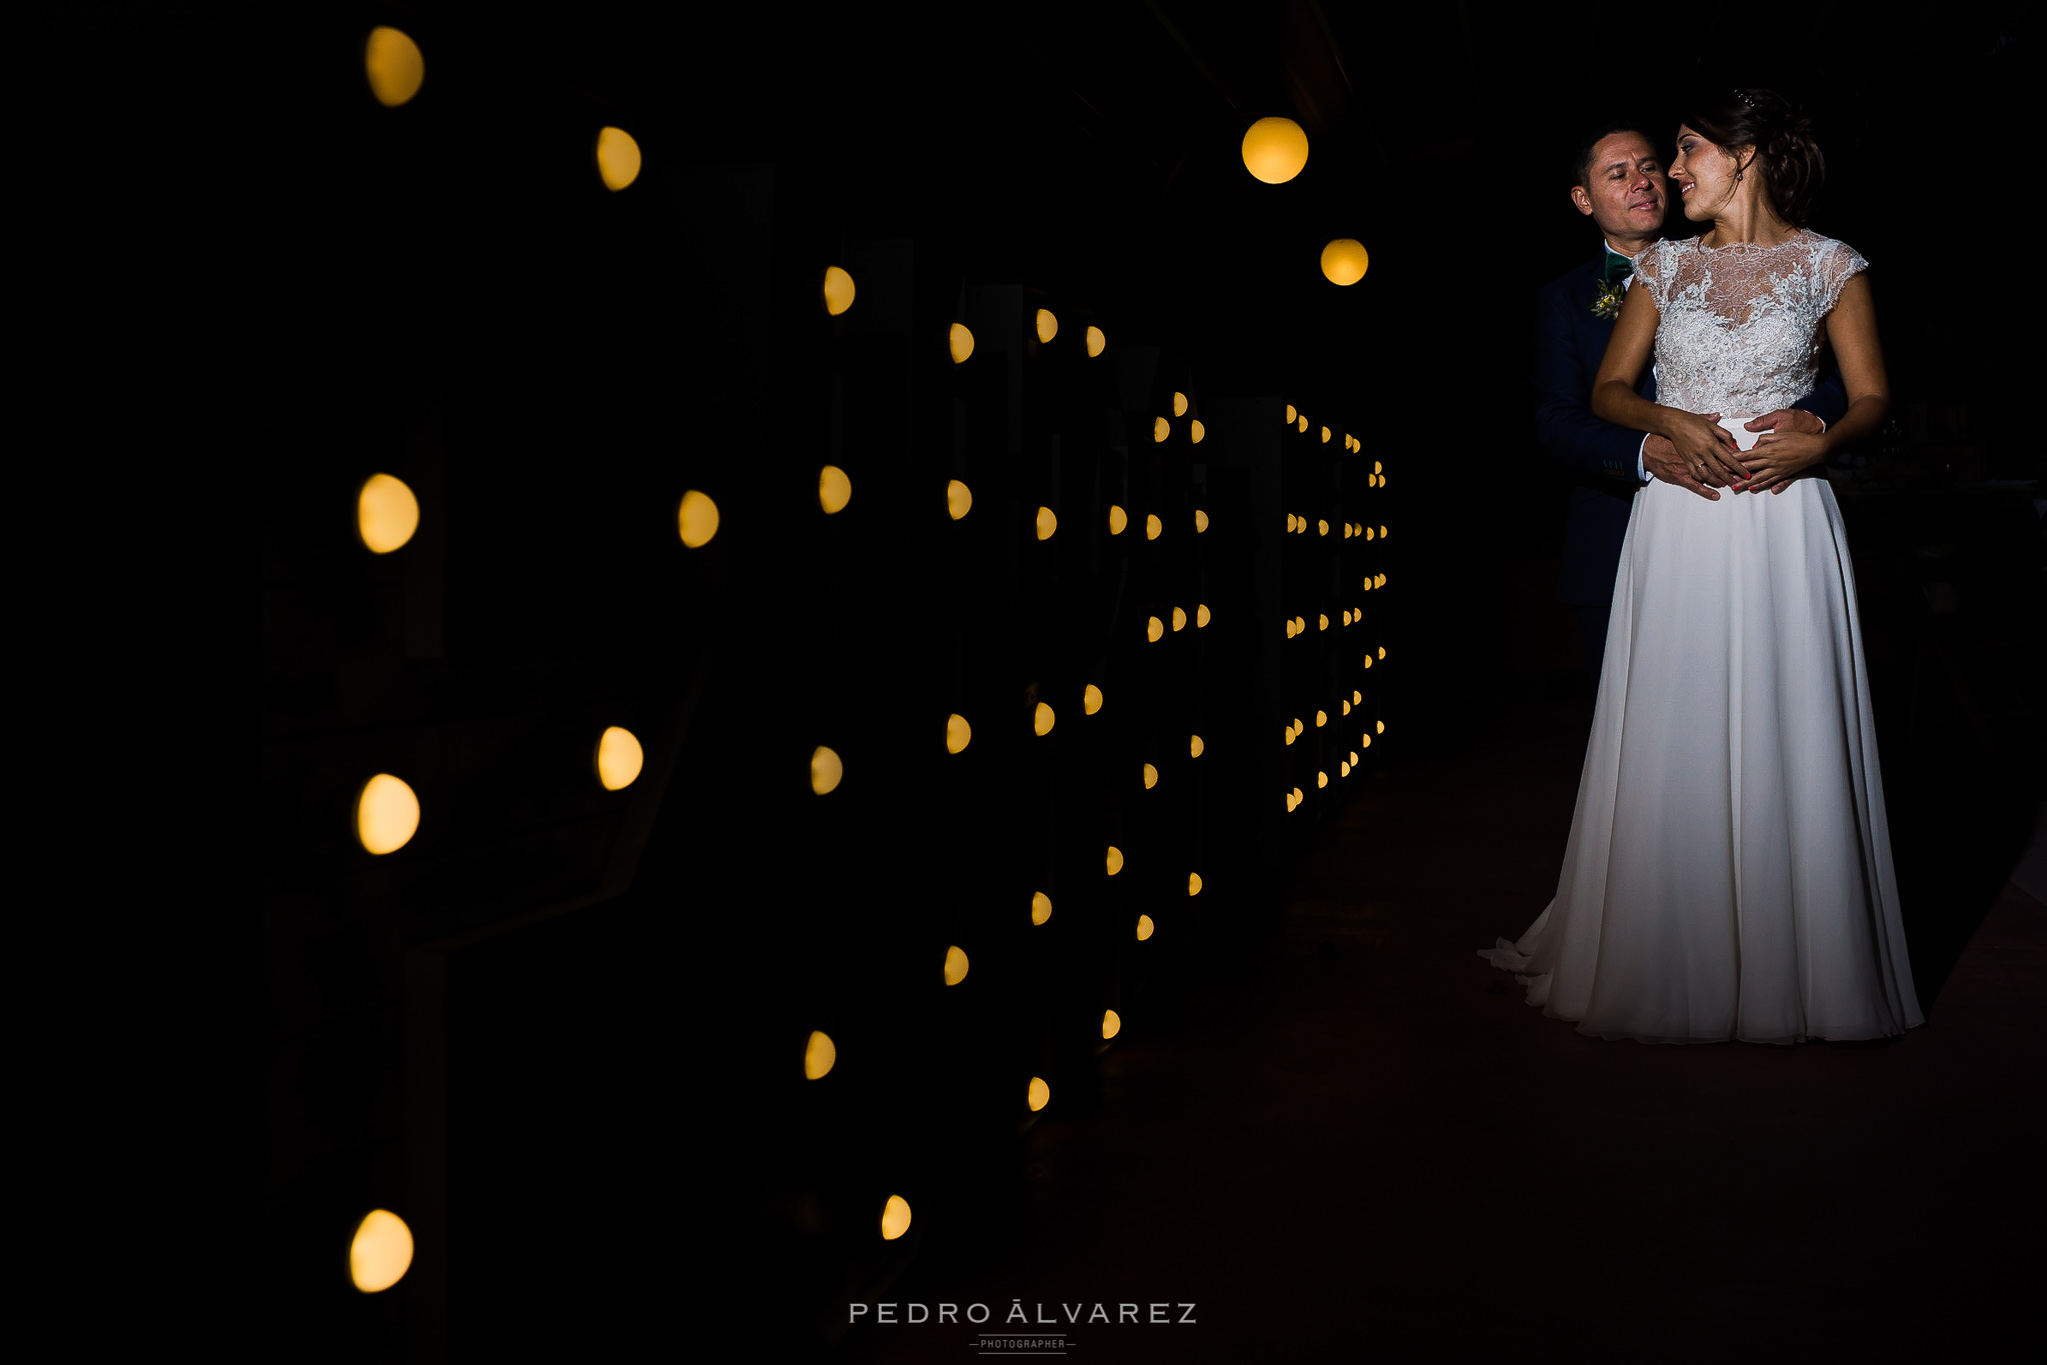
x=453, y=284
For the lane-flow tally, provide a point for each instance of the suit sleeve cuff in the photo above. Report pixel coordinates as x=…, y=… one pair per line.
x=1641, y=464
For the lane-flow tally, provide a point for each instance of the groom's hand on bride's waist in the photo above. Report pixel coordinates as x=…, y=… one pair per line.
x=1663, y=462
x=1787, y=420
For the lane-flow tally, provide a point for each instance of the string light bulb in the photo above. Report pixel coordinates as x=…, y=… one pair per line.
x=618, y=159
x=394, y=65
x=1275, y=149
x=959, y=499
x=958, y=734
x=1047, y=523
x=825, y=770
x=955, y=966
x=837, y=291
x=1048, y=326
x=834, y=489
x=1096, y=342
x=1118, y=519
x=386, y=513
x=819, y=1056
x=1041, y=907
x=386, y=814
x=1091, y=700
x=619, y=758
x=697, y=519
x=380, y=1252
x=960, y=342
x=1345, y=260
x=1179, y=404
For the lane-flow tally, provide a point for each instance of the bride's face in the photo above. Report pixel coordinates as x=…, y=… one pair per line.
x=1704, y=175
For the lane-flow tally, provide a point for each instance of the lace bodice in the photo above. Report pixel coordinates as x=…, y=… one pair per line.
x=1740, y=330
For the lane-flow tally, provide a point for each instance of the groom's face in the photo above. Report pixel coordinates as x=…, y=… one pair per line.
x=1625, y=189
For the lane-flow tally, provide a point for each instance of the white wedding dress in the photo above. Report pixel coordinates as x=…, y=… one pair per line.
x=1729, y=871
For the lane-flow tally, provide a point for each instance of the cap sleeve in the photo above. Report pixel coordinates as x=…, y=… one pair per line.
x=1652, y=271
x=1833, y=265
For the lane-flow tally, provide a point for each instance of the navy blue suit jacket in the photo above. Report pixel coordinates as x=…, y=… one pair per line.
x=1570, y=342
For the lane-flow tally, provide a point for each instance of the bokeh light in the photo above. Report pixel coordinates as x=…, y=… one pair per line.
x=1112, y=1024
x=959, y=499
x=697, y=518
x=1096, y=342
x=1153, y=527
x=1195, y=746
x=1115, y=860
x=1151, y=777
x=1179, y=404
x=1048, y=326
x=1039, y=1094
x=1041, y=907
x=955, y=966
x=1155, y=630
x=619, y=758
x=1179, y=618
x=394, y=64
x=1048, y=522
x=1195, y=431
x=960, y=342
x=386, y=814
x=895, y=1218
x=1042, y=719
x=958, y=734
x=618, y=158
x=1118, y=519
x=380, y=1252
x=1144, y=928
x=834, y=489
x=1200, y=517
x=1160, y=429
x=825, y=770
x=1091, y=700
x=838, y=290
x=818, y=1056
x=1201, y=616
x=386, y=513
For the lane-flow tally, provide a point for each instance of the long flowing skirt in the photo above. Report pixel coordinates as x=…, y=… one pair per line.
x=1729, y=869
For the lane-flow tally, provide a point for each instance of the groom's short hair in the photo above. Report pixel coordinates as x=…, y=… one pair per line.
x=1581, y=156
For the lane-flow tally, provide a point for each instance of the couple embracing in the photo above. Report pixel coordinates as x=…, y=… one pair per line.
x=1729, y=872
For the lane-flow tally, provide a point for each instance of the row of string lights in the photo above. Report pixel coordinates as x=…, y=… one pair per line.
x=387, y=810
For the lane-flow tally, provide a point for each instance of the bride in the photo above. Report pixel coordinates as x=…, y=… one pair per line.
x=1729, y=871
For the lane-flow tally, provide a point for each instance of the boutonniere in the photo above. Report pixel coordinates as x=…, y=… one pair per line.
x=1607, y=303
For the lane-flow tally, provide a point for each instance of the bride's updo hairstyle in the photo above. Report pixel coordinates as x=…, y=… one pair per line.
x=1786, y=155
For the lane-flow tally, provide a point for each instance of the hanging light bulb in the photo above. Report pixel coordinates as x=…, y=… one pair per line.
x=834, y=489
x=1290, y=414
x=1048, y=522
x=1200, y=517
x=697, y=518
x=1151, y=777
x=618, y=158
x=1048, y=326
x=895, y=1218
x=1096, y=342
x=1039, y=1095
x=1201, y=616
x=1144, y=928
x=958, y=499
x=1153, y=526
x=1345, y=260
x=386, y=513
x=386, y=814
x=1042, y=719
x=958, y=734
x=1160, y=428
x=1193, y=883
x=1111, y=1024
x=825, y=770
x=1179, y=404
x=960, y=342
x=1180, y=618
x=955, y=966
x=380, y=1252
x=1091, y=700
x=1325, y=435
x=1114, y=860
x=1195, y=431
x=1275, y=149
x=1155, y=630
x=1041, y=907
x=1195, y=746
x=1118, y=519
x=619, y=758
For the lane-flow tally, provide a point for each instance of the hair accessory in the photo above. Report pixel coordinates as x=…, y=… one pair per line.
x=1742, y=95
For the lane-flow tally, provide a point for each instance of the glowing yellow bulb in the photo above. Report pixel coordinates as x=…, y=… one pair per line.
x=1343, y=769
x=1346, y=530
x=619, y=758
x=1193, y=883
x=1382, y=651
x=1096, y=342
x=1345, y=705
x=958, y=499
x=1322, y=527
x=1195, y=746
x=1179, y=404
x=1195, y=431
x=1160, y=428
x=1118, y=519
x=895, y=1218
x=1321, y=719
x=1324, y=619
x=1155, y=630
x=1153, y=526
x=1179, y=618
x=834, y=489
x=1115, y=860
x=1354, y=758
x=1371, y=480
x=1048, y=522
x=1382, y=533
x=1364, y=741
x=1039, y=1095
x=1303, y=423
x=386, y=513
x=825, y=770
x=1200, y=521
x=1368, y=585
x=386, y=814
x=380, y=1252
x=1290, y=414
x=1345, y=260
x=1041, y=907
x=1290, y=803
x=958, y=734
x=1151, y=777
x=1290, y=734
x=1201, y=617
x=1300, y=624
x=1346, y=616
x=1144, y=928
x=955, y=966
x=697, y=518
x=1091, y=700
x=1378, y=467
x=1368, y=661
x=1111, y=1024
x=1299, y=728
x=1042, y=718
x=1290, y=523
x=1048, y=326
x=960, y=342
x=618, y=159
x=394, y=65
x=1321, y=779
x=1275, y=149
x=1290, y=629
x=818, y=1056
x=1357, y=696
x=1368, y=533
x=838, y=290
x=1379, y=580
x=1382, y=727
x=1325, y=435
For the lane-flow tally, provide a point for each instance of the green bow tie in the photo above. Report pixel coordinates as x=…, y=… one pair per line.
x=1618, y=267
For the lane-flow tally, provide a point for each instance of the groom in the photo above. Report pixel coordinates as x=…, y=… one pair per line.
x=1618, y=182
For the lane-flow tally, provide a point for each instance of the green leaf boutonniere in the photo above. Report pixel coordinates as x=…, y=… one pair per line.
x=1607, y=304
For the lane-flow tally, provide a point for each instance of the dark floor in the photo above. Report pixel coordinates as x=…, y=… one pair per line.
x=1383, y=1153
